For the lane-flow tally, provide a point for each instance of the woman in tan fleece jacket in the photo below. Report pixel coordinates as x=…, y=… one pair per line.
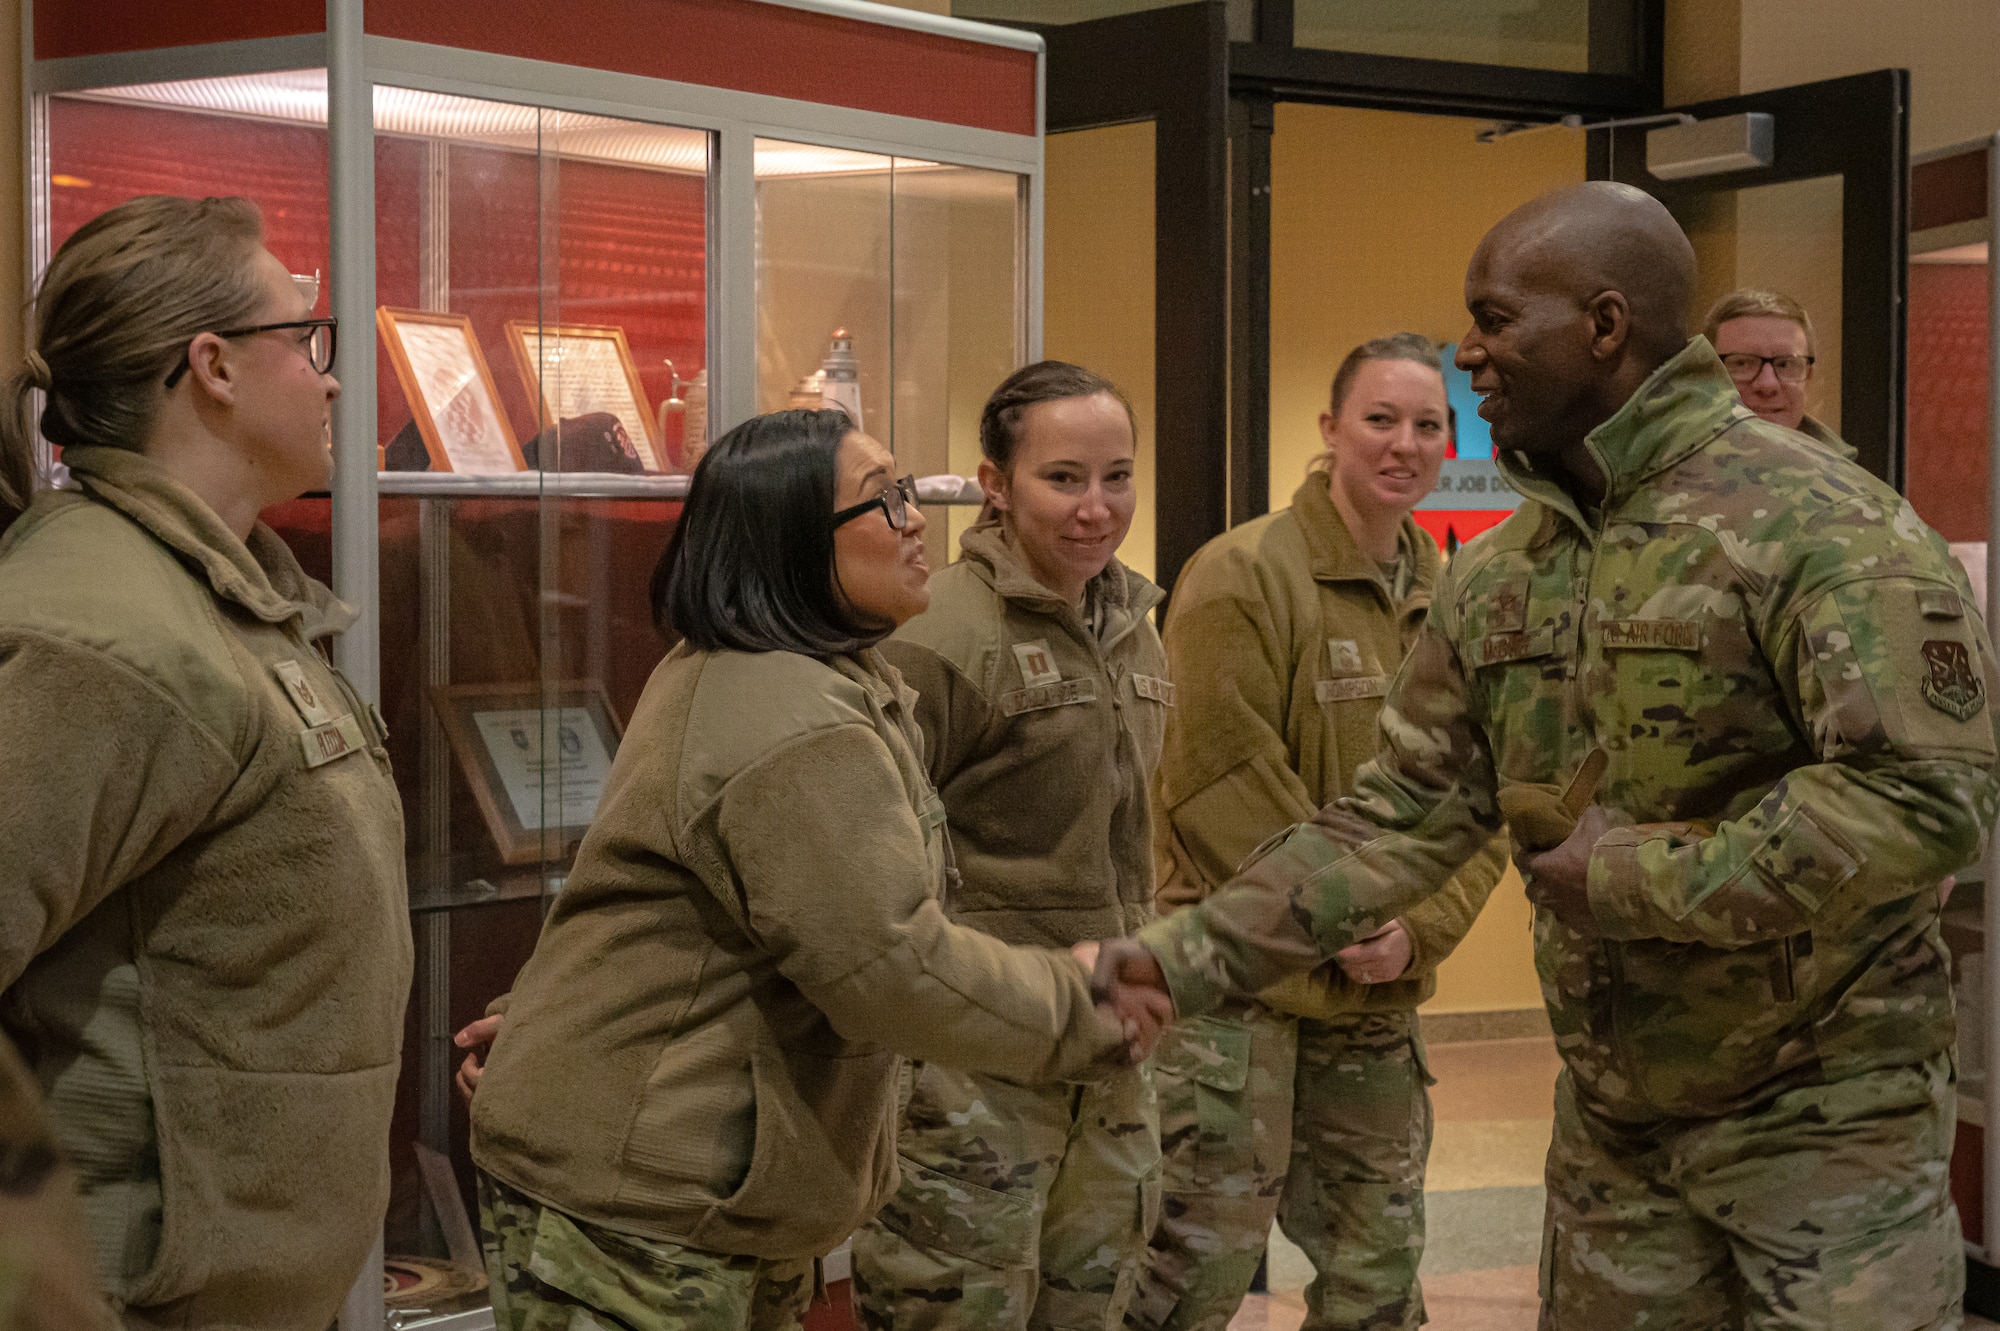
x=694, y=1092
x=204, y=935
x=1042, y=696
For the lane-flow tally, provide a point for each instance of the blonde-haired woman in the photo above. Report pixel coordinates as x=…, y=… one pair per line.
x=204, y=945
x=1309, y=1106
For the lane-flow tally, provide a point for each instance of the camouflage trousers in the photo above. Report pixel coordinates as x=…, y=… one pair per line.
x=547, y=1271
x=1324, y=1126
x=1020, y=1206
x=1828, y=1209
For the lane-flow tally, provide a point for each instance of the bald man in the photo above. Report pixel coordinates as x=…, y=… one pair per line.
x=1762, y=683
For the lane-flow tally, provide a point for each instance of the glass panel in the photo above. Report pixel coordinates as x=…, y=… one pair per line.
x=1349, y=264
x=1783, y=238
x=890, y=286
x=1532, y=34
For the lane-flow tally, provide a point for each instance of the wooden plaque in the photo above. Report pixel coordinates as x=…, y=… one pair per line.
x=577, y=369
x=500, y=732
x=450, y=392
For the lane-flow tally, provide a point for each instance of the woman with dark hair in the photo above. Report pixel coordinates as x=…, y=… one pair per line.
x=1042, y=695
x=693, y=1095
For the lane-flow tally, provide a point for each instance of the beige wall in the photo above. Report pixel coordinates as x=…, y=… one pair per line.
x=1098, y=278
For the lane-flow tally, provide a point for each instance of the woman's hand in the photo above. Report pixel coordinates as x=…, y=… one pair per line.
x=477, y=1039
x=1140, y=1019
x=1380, y=957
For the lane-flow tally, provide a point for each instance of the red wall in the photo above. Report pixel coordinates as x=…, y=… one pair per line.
x=737, y=44
x=1946, y=469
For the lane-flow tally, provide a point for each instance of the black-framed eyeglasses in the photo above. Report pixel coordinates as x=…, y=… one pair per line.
x=318, y=345
x=1743, y=367
x=895, y=501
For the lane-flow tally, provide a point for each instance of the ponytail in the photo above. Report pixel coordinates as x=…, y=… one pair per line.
x=116, y=309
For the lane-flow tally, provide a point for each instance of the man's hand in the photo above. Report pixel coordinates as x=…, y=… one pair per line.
x=1380, y=957
x=1559, y=880
x=1132, y=989
x=477, y=1039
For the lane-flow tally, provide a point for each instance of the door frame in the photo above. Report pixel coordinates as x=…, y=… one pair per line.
x=1858, y=128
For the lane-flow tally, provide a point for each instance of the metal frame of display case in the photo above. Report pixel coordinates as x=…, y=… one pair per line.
x=356, y=60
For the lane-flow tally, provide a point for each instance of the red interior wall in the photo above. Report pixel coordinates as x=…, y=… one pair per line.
x=1946, y=466
x=101, y=154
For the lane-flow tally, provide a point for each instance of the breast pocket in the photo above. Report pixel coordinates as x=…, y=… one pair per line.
x=1349, y=692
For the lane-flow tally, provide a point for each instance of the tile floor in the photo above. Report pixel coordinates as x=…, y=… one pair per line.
x=1494, y=1102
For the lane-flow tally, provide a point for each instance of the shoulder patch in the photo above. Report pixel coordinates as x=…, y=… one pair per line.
x=1951, y=682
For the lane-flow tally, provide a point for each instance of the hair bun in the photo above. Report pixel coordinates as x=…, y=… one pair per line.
x=38, y=370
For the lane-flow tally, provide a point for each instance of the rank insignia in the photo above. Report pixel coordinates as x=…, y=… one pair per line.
x=1951, y=683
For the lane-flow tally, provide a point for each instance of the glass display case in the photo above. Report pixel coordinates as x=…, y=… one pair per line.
x=586, y=243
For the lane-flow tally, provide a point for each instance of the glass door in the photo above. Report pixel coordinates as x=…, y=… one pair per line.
x=1824, y=220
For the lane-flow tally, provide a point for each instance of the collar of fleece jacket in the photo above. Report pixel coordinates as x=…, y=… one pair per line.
x=1122, y=596
x=260, y=574
x=1331, y=548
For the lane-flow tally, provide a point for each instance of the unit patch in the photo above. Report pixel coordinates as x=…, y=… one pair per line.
x=1038, y=664
x=1059, y=694
x=1343, y=656
x=1672, y=635
x=1347, y=690
x=1159, y=690
x=302, y=693
x=1951, y=682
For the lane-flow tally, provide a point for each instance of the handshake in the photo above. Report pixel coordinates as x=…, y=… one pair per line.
x=1130, y=990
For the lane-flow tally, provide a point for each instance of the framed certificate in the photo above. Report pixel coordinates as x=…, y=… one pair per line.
x=450, y=392
x=578, y=369
x=535, y=757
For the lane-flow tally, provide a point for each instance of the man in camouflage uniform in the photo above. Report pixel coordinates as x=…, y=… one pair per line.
x=1738, y=942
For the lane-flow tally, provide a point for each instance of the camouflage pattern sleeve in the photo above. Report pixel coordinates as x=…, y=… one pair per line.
x=1423, y=807
x=1887, y=670
x=1439, y=923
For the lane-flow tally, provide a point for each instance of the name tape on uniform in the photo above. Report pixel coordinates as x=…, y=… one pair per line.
x=1159, y=690
x=1671, y=635
x=1348, y=690
x=1062, y=693
x=335, y=739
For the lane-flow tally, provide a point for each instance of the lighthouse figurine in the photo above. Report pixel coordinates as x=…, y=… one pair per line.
x=842, y=385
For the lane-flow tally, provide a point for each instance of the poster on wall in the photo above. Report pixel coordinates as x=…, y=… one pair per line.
x=536, y=759
x=450, y=392
x=581, y=370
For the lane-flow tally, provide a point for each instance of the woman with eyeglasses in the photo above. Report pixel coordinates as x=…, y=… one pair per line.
x=693, y=1094
x=1042, y=695
x=204, y=932
x=1765, y=340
